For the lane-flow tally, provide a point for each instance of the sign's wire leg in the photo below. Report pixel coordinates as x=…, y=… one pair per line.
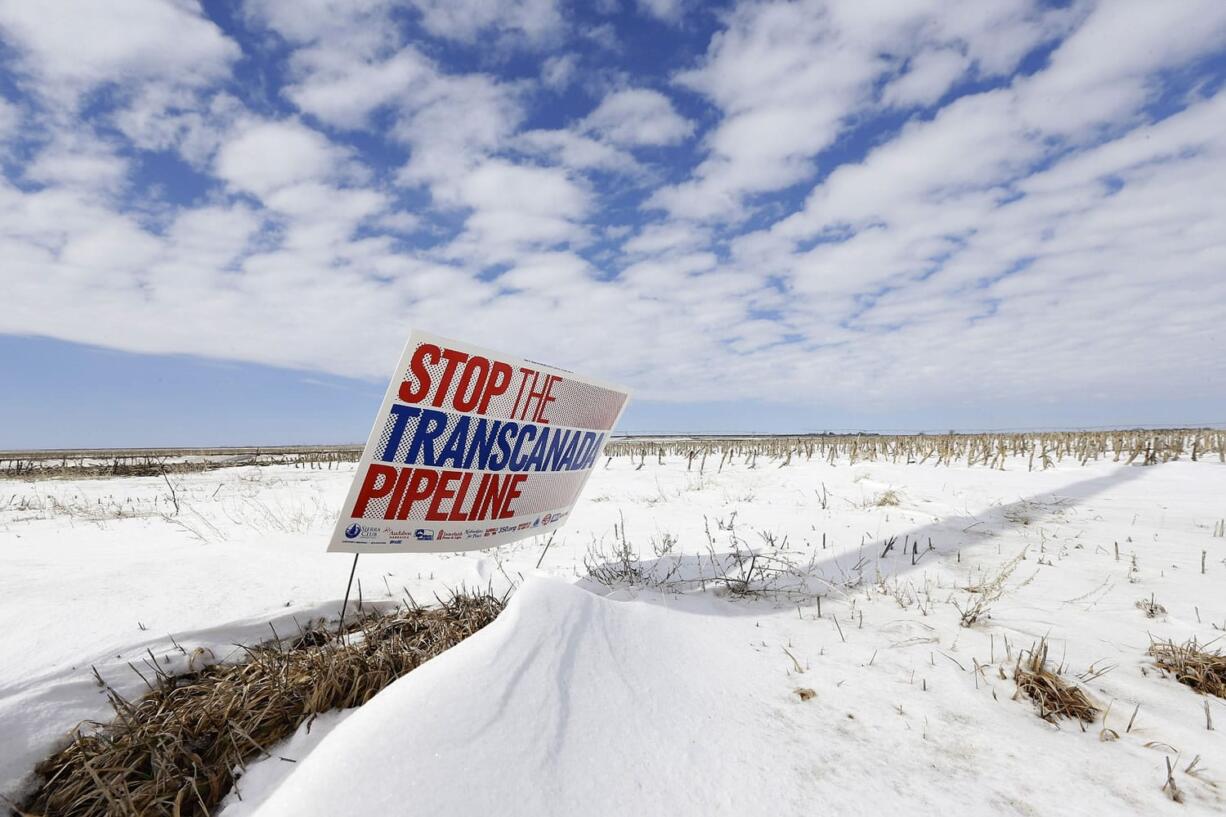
x=340, y=628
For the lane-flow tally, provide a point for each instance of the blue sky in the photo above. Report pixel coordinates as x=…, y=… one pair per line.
x=218, y=222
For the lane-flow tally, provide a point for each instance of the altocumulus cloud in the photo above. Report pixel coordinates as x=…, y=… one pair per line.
x=807, y=202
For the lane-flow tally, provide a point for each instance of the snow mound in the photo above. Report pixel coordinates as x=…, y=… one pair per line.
x=569, y=703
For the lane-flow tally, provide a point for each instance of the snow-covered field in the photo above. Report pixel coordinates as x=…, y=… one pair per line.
x=668, y=692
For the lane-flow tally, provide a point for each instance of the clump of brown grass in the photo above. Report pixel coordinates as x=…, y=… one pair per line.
x=1150, y=607
x=1192, y=665
x=176, y=750
x=1055, y=697
x=888, y=499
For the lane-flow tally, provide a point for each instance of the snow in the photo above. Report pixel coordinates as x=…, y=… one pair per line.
x=674, y=699
x=263, y=776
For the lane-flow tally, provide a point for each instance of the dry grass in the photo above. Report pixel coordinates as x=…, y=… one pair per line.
x=1150, y=607
x=1192, y=665
x=1055, y=697
x=988, y=590
x=175, y=750
x=888, y=499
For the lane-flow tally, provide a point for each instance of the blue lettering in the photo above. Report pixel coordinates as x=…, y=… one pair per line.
x=526, y=432
x=482, y=444
x=453, y=449
x=536, y=460
x=402, y=415
x=421, y=449
x=556, y=446
x=568, y=459
x=499, y=458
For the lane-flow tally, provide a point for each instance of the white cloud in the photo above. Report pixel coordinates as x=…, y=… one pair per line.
x=942, y=247
x=71, y=47
x=536, y=190
x=788, y=77
x=79, y=162
x=453, y=123
x=1102, y=71
x=343, y=89
x=533, y=21
x=555, y=273
x=636, y=117
x=603, y=36
x=576, y=151
x=10, y=118
x=558, y=71
x=363, y=23
x=670, y=11
x=929, y=76
x=214, y=235
x=668, y=238
x=161, y=117
x=263, y=157
x=1041, y=237
x=516, y=209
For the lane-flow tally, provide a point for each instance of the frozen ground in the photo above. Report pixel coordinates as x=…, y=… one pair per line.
x=670, y=694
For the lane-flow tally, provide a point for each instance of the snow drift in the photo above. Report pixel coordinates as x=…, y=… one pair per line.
x=567, y=704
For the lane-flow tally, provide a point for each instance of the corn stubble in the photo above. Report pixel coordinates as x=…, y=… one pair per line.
x=1041, y=450
x=175, y=751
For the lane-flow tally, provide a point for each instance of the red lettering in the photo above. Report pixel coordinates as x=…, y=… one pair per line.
x=397, y=495
x=523, y=381
x=498, y=383
x=433, y=513
x=473, y=380
x=483, y=487
x=512, y=492
x=458, y=515
x=535, y=401
x=420, y=486
x=453, y=359
x=424, y=355
x=491, y=500
x=546, y=398
x=379, y=481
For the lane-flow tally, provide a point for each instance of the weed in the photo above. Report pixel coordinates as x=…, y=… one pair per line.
x=1054, y=697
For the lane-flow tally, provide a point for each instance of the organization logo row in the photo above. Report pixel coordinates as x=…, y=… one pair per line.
x=370, y=533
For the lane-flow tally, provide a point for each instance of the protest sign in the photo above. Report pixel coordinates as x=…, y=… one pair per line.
x=473, y=448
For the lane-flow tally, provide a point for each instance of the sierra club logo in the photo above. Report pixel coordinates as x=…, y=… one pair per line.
x=365, y=533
